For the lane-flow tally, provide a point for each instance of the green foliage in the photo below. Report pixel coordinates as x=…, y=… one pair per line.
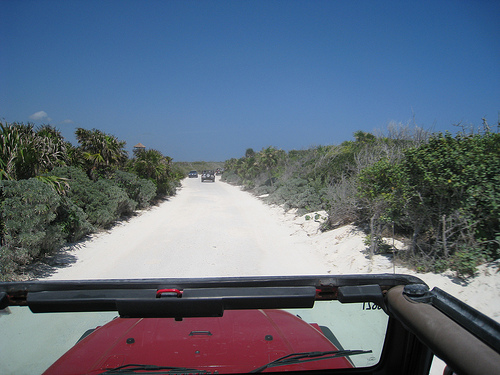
x=231, y=177
x=316, y=217
x=103, y=153
x=383, y=190
x=152, y=165
x=59, y=184
x=465, y=261
x=140, y=190
x=381, y=246
x=108, y=203
x=446, y=193
x=102, y=201
x=255, y=169
x=296, y=193
x=10, y=261
x=47, y=195
x=27, y=212
x=440, y=191
x=304, y=179
x=26, y=152
x=73, y=220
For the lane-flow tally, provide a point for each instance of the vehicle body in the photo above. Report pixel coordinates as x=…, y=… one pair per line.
x=193, y=174
x=208, y=176
x=351, y=324
x=203, y=343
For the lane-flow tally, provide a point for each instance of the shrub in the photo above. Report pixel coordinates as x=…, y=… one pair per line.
x=73, y=220
x=107, y=203
x=28, y=212
x=343, y=207
x=152, y=165
x=296, y=193
x=29, y=229
x=445, y=193
x=140, y=190
x=231, y=177
x=167, y=188
x=102, y=201
x=465, y=261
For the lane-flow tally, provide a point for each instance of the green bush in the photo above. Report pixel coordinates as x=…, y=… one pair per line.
x=29, y=228
x=73, y=220
x=102, y=201
x=465, y=261
x=107, y=203
x=152, y=165
x=296, y=193
x=140, y=190
x=231, y=177
x=28, y=213
x=167, y=188
x=445, y=193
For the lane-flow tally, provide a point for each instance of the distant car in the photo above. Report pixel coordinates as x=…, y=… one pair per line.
x=193, y=174
x=208, y=175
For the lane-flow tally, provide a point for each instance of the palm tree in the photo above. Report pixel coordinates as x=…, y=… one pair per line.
x=268, y=158
x=152, y=165
x=9, y=150
x=26, y=153
x=51, y=147
x=249, y=153
x=103, y=153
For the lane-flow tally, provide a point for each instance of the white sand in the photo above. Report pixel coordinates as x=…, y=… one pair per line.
x=345, y=252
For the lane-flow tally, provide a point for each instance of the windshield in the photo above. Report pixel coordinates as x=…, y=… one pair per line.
x=331, y=335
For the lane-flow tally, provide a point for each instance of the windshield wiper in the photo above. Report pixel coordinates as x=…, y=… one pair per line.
x=294, y=358
x=138, y=369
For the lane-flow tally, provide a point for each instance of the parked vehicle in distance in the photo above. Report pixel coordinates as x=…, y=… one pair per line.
x=208, y=176
x=193, y=174
x=347, y=324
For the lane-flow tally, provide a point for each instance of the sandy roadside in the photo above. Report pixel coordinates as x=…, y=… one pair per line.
x=344, y=251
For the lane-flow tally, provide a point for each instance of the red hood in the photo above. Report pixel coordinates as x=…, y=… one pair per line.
x=239, y=341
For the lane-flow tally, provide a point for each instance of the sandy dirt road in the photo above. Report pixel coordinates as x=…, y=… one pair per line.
x=207, y=229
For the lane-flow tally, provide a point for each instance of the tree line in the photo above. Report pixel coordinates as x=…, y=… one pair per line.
x=438, y=192
x=52, y=192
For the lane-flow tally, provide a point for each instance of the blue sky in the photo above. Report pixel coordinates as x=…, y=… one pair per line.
x=205, y=80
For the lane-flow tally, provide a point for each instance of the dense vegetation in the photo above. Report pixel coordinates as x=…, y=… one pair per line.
x=438, y=192
x=52, y=192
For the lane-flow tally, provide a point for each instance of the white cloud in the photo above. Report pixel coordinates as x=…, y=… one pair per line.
x=40, y=116
x=67, y=121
